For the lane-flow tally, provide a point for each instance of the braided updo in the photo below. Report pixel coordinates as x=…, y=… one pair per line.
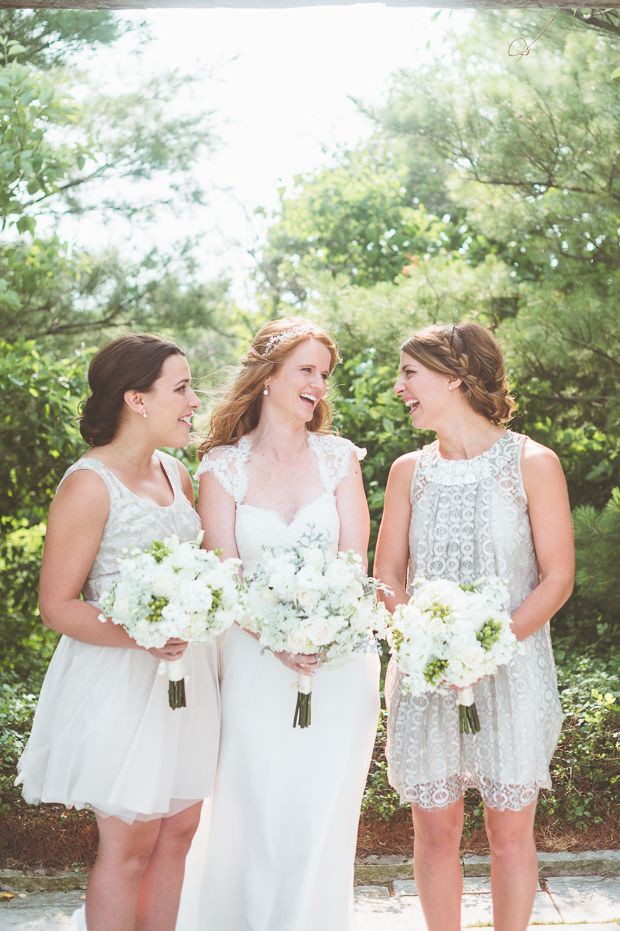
x=470, y=352
x=128, y=363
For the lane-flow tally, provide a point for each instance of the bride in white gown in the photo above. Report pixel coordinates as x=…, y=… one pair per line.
x=278, y=851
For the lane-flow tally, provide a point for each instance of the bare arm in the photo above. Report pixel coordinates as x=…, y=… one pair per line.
x=217, y=512
x=392, y=556
x=552, y=531
x=76, y=521
x=353, y=512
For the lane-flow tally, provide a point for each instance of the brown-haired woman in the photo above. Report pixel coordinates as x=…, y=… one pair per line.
x=480, y=500
x=103, y=735
x=283, y=825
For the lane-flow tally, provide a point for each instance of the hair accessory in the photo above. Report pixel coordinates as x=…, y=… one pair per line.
x=275, y=341
x=266, y=390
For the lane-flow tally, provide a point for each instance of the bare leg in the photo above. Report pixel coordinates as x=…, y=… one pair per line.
x=437, y=865
x=114, y=883
x=514, y=866
x=160, y=891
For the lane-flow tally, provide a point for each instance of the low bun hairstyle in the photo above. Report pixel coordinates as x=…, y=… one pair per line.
x=129, y=363
x=470, y=352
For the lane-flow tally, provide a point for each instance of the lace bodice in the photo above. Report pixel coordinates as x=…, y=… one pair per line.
x=470, y=518
x=257, y=527
x=134, y=521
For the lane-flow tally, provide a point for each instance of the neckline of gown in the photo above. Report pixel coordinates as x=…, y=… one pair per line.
x=246, y=448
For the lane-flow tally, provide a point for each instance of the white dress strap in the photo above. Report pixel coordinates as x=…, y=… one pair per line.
x=333, y=455
x=94, y=465
x=228, y=465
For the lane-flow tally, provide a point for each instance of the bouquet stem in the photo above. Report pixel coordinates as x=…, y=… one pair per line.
x=468, y=713
x=303, y=708
x=176, y=682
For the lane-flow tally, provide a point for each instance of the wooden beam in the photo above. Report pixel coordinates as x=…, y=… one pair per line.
x=272, y=4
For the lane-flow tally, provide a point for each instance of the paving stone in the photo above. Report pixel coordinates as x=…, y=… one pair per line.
x=393, y=914
x=405, y=887
x=42, y=912
x=586, y=898
x=377, y=892
x=478, y=910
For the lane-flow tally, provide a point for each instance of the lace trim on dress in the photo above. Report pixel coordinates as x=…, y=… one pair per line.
x=502, y=461
x=227, y=464
x=495, y=795
x=333, y=455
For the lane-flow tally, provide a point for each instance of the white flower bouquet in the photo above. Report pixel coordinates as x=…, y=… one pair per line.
x=303, y=599
x=173, y=590
x=451, y=635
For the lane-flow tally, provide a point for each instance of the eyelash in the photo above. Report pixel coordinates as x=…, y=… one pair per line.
x=307, y=368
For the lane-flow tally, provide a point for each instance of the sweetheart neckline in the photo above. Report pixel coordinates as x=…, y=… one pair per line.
x=304, y=507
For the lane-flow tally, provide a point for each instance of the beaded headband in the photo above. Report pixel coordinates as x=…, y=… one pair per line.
x=274, y=341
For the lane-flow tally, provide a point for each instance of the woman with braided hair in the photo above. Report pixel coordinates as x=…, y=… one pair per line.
x=480, y=500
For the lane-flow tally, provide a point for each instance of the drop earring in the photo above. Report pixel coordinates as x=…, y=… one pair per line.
x=266, y=390
x=144, y=414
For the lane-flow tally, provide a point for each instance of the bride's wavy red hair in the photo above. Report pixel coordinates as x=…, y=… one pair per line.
x=238, y=411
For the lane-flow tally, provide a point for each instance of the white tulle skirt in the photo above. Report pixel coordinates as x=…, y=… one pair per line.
x=275, y=849
x=104, y=736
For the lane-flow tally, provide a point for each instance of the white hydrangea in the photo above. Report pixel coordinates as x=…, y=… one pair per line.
x=452, y=635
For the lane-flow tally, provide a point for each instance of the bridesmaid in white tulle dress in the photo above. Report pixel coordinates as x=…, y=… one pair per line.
x=103, y=734
x=480, y=500
x=281, y=839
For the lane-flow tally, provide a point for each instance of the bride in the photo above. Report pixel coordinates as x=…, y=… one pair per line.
x=280, y=843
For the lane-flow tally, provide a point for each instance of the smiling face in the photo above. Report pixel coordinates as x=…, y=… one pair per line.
x=171, y=403
x=427, y=394
x=300, y=381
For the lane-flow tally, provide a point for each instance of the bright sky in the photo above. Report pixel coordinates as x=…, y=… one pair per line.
x=281, y=88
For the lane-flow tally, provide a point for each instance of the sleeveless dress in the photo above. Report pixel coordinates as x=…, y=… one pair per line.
x=279, y=849
x=470, y=519
x=103, y=735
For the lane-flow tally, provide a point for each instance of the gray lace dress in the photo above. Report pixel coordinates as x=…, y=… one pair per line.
x=470, y=519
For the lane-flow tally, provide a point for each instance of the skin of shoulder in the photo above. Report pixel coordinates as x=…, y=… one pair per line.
x=539, y=465
x=186, y=482
x=402, y=469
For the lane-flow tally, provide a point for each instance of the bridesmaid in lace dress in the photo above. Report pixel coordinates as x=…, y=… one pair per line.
x=280, y=844
x=479, y=500
x=103, y=734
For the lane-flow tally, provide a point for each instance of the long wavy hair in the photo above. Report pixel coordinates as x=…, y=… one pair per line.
x=470, y=352
x=238, y=410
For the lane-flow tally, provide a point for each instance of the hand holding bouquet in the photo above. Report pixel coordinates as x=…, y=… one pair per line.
x=303, y=599
x=173, y=590
x=452, y=635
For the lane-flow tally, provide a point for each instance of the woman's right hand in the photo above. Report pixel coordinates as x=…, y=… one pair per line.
x=305, y=664
x=172, y=651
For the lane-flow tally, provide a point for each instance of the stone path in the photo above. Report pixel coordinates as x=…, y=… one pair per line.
x=576, y=903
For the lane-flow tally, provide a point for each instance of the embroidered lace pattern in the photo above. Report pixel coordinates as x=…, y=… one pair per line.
x=228, y=463
x=470, y=518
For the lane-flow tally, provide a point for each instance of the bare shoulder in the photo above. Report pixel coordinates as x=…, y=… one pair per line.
x=402, y=469
x=540, y=465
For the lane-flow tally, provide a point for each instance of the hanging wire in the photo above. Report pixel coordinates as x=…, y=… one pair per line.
x=525, y=49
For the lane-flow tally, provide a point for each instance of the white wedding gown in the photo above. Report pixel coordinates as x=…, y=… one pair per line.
x=276, y=850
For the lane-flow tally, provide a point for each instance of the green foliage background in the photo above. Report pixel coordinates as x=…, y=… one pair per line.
x=488, y=190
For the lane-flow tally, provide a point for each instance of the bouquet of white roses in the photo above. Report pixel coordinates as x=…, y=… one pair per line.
x=173, y=590
x=451, y=635
x=303, y=599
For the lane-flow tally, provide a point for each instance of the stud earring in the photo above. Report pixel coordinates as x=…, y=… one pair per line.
x=266, y=390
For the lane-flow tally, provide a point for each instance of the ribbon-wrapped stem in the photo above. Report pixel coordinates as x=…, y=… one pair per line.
x=303, y=708
x=468, y=713
x=176, y=682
